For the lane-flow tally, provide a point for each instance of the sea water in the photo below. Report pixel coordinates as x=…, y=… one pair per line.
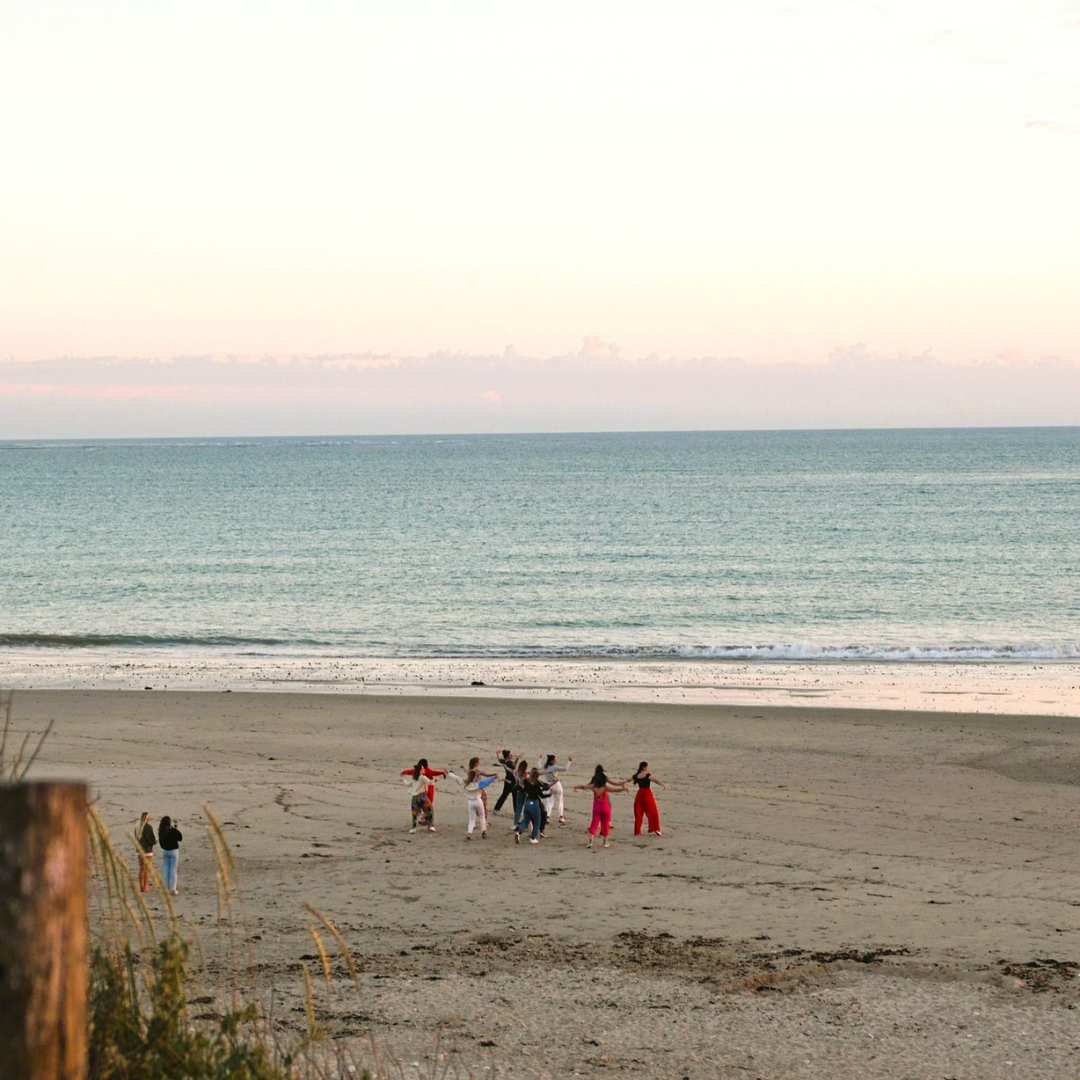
x=928, y=544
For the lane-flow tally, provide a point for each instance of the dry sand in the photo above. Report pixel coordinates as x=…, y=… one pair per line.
x=838, y=892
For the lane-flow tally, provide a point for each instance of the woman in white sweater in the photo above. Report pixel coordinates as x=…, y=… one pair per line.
x=473, y=786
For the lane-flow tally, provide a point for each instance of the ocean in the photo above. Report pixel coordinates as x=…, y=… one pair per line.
x=834, y=545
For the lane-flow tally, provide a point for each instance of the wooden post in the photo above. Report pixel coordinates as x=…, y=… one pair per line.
x=43, y=958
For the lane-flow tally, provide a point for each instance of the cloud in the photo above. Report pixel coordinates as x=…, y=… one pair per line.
x=591, y=390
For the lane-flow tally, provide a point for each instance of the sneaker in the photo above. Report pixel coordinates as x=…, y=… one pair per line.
x=517, y=837
x=658, y=833
x=412, y=830
x=543, y=836
x=431, y=828
x=533, y=840
x=607, y=843
x=562, y=821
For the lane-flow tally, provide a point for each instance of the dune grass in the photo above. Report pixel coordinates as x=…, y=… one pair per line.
x=145, y=978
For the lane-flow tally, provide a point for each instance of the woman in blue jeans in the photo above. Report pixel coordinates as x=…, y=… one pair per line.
x=169, y=837
x=533, y=790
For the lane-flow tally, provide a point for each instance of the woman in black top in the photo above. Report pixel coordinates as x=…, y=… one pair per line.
x=534, y=790
x=169, y=837
x=507, y=763
x=144, y=838
x=644, y=801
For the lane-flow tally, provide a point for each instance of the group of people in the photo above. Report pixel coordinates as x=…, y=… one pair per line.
x=168, y=837
x=537, y=795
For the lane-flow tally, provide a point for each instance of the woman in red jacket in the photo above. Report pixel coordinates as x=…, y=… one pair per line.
x=432, y=775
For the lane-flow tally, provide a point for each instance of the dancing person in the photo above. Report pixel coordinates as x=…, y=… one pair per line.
x=521, y=774
x=474, y=763
x=144, y=841
x=534, y=790
x=432, y=775
x=508, y=764
x=169, y=837
x=473, y=785
x=645, y=801
x=554, y=803
x=600, y=785
x=420, y=782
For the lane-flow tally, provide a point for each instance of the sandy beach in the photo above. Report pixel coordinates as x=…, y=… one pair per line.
x=839, y=892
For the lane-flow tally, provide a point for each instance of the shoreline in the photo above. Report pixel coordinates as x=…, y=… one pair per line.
x=1046, y=688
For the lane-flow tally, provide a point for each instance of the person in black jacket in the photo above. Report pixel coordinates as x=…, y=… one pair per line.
x=507, y=762
x=169, y=837
x=534, y=790
x=144, y=841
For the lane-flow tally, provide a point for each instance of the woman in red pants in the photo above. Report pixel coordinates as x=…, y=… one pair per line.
x=644, y=802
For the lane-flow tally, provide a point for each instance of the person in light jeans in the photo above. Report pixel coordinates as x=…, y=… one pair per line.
x=169, y=837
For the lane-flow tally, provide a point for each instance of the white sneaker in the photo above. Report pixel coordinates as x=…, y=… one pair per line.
x=533, y=840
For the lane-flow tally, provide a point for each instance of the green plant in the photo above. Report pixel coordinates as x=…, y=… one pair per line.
x=151, y=1037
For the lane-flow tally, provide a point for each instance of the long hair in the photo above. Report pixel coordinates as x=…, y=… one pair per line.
x=418, y=768
x=163, y=827
x=522, y=768
x=550, y=760
x=640, y=769
x=599, y=777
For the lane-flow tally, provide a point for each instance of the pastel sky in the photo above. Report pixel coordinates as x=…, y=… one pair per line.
x=875, y=201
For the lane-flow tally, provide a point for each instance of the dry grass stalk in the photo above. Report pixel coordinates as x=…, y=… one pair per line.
x=339, y=940
x=17, y=770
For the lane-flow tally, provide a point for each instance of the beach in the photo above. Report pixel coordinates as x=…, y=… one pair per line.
x=840, y=890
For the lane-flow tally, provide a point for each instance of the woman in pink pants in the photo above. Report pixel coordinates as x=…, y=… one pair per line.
x=600, y=785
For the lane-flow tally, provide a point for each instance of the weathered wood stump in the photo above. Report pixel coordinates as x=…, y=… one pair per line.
x=43, y=947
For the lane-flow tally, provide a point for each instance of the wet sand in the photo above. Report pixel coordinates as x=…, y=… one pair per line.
x=839, y=892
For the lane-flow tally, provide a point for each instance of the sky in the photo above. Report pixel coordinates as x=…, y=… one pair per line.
x=374, y=217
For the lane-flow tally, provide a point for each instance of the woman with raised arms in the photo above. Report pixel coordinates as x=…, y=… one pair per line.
x=417, y=782
x=473, y=785
x=645, y=801
x=600, y=785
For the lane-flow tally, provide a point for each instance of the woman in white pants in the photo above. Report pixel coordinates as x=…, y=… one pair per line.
x=549, y=773
x=473, y=786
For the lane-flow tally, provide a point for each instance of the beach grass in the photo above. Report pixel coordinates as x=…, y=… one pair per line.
x=153, y=1010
